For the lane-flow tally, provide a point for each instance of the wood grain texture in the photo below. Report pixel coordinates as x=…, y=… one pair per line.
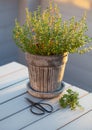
x=46, y=72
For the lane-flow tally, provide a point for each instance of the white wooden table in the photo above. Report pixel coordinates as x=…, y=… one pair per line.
x=15, y=110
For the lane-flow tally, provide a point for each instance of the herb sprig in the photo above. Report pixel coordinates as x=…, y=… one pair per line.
x=71, y=99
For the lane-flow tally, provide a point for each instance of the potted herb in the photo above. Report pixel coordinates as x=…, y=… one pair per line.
x=46, y=40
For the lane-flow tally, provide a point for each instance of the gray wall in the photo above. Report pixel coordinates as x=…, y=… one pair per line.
x=8, y=12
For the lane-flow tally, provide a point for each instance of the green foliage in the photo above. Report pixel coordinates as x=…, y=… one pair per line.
x=45, y=33
x=70, y=99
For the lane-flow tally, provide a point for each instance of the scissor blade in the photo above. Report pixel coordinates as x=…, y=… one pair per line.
x=30, y=101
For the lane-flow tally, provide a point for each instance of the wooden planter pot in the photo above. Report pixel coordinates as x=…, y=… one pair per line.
x=46, y=75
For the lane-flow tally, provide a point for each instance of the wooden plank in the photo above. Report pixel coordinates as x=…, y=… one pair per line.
x=13, y=78
x=18, y=72
x=20, y=117
x=61, y=117
x=81, y=92
x=21, y=87
x=8, y=84
x=19, y=104
x=83, y=123
x=13, y=91
x=9, y=68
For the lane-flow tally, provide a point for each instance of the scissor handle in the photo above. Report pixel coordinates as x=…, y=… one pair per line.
x=37, y=109
x=46, y=107
x=42, y=107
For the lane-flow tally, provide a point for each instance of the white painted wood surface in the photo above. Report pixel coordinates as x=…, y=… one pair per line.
x=15, y=111
x=9, y=68
x=13, y=71
x=83, y=123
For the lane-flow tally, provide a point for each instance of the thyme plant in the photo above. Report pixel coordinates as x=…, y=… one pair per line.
x=45, y=33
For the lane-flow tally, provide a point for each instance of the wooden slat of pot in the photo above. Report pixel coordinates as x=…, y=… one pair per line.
x=50, y=79
x=41, y=80
x=34, y=77
x=46, y=80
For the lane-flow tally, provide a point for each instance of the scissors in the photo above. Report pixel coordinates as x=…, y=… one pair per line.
x=39, y=108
